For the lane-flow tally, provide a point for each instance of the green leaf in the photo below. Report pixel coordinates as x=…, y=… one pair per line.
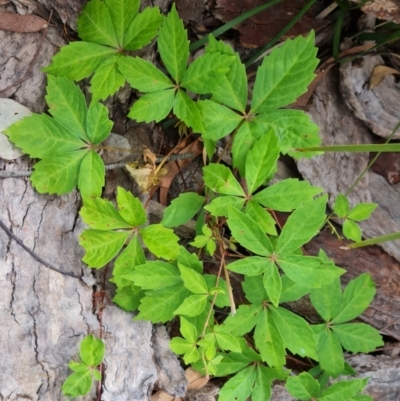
x=285, y=74
x=343, y=390
x=220, y=206
x=358, y=294
x=95, y=25
x=78, y=367
x=362, y=211
x=327, y=299
x=227, y=342
x=159, y=305
x=67, y=105
x=106, y=80
x=54, y=138
x=79, y=383
x=269, y=340
x=358, y=337
x=296, y=333
x=127, y=261
x=239, y=387
x=186, y=110
x=192, y=306
x=243, y=321
x=91, y=175
x=180, y=346
x=191, y=356
x=341, y=206
x=292, y=291
x=362, y=398
x=287, y=195
x=219, y=178
x=182, y=209
x=101, y=246
x=193, y=281
x=309, y=271
x=130, y=208
x=218, y=46
x=154, y=275
x=101, y=214
x=218, y=120
x=161, y=241
x=91, y=350
x=143, y=29
x=188, y=331
x=222, y=299
x=248, y=233
x=204, y=73
x=303, y=224
x=303, y=386
x=153, y=106
x=128, y=297
x=96, y=374
x=261, y=161
x=262, y=385
x=254, y=289
x=98, y=126
x=59, y=173
x=122, y=12
x=78, y=60
x=173, y=45
x=189, y=260
x=330, y=353
x=244, y=139
x=352, y=230
x=232, y=88
x=143, y=75
x=272, y=283
x=250, y=266
x=294, y=128
x=259, y=214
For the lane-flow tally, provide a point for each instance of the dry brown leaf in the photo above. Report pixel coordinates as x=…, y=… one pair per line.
x=146, y=176
x=378, y=75
x=21, y=23
x=149, y=156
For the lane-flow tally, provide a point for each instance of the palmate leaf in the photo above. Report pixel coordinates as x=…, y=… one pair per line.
x=63, y=142
x=285, y=74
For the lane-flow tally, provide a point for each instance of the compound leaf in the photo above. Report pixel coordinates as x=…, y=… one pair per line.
x=248, y=233
x=101, y=246
x=243, y=321
x=292, y=291
x=343, y=390
x=285, y=74
x=95, y=24
x=143, y=75
x=362, y=211
x=302, y=225
x=130, y=208
x=153, y=106
x=303, y=386
x=220, y=179
x=79, y=383
x=287, y=195
x=182, y=209
x=78, y=60
x=239, y=387
x=91, y=175
x=161, y=241
x=173, y=45
x=143, y=29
